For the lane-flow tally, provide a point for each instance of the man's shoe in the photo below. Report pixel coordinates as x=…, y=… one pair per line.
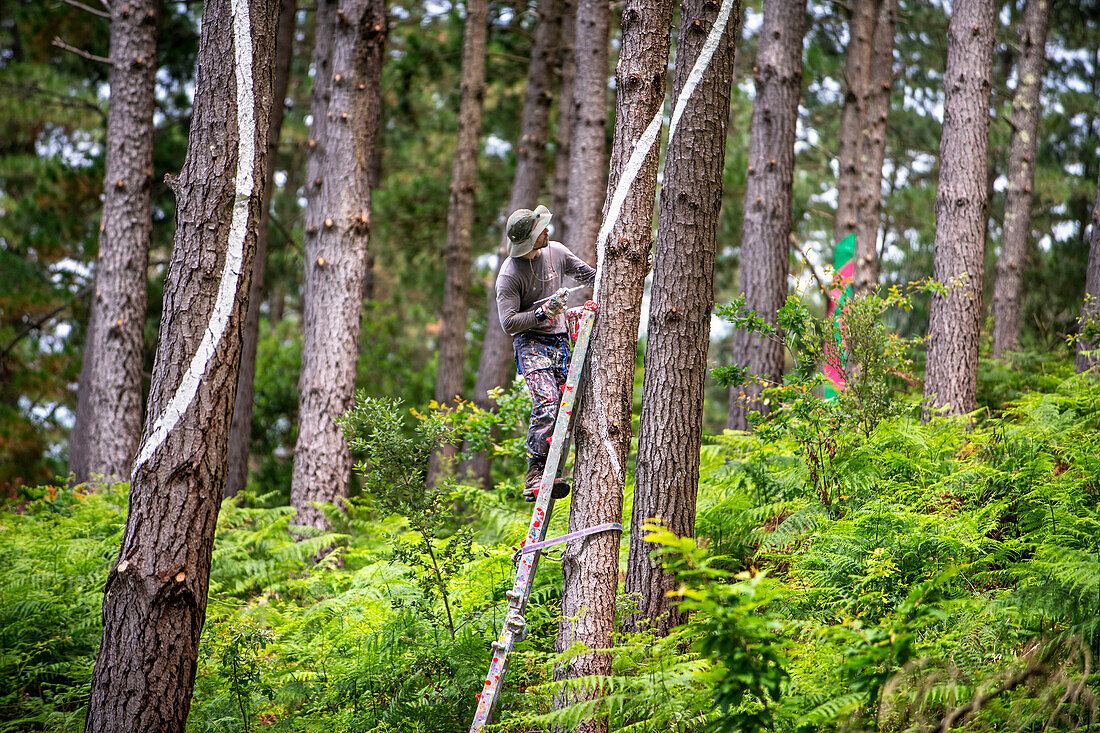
x=531, y=491
x=531, y=483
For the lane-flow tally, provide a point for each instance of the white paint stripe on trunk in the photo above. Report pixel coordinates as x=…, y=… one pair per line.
x=702, y=62
x=244, y=185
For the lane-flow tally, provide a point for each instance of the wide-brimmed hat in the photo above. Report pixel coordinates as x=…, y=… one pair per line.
x=524, y=228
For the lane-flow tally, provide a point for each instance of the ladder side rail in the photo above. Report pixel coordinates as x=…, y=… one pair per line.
x=521, y=589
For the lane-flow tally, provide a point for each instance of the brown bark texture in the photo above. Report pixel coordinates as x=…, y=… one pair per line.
x=590, y=565
x=348, y=58
x=681, y=299
x=495, y=366
x=588, y=147
x=1008, y=291
x=563, y=139
x=1090, y=310
x=872, y=150
x=108, y=425
x=240, y=431
x=766, y=223
x=955, y=319
x=460, y=213
x=154, y=600
x=857, y=83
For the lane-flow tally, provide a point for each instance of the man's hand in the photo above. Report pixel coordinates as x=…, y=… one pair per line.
x=555, y=305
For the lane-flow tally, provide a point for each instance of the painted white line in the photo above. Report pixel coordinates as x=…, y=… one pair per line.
x=244, y=184
x=701, y=63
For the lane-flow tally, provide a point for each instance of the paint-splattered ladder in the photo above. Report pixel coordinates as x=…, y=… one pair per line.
x=528, y=554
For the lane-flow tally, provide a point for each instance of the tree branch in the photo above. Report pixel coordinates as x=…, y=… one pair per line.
x=813, y=270
x=1036, y=667
x=87, y=8
x=35, y=325
x=80, y=52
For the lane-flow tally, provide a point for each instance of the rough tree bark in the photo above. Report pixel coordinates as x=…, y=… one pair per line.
x=460, y=213
x=108, y=416
x=857, y=84
x=955, y=319
x=154, y=601
x=348, y=59
x=766, y=227
x=872, y=150
x=563, y=141
x=240, y=432
x=496, y=367
x=667, y=475
x=1090, y=310
x=1008, y=291
x=588, y=148
x=590, y=565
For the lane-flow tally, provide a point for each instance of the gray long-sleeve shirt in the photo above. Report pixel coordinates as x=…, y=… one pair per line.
x=521, y=283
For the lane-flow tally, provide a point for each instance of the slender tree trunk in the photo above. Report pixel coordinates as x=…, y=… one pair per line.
x=563, y=142
x=1008, y=291
x=1090, y=310
x=671, y=428
x=240, y=432
x=590, y=566
x=348, y=59
x=495, y=367
x=873, y=148
x=588, y=147
x=154, y=601
x=766, y=227
x=857, y=84
x=460, y=214
x=955, y=320
x=108, y=425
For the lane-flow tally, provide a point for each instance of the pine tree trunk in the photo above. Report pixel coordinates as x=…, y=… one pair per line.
x=108, y=425
x=857, y=83
x=588, y=149
x=154, y=601
x=955, y=319
x=667, y=475
x=590, y=565
x=240, y=432
x=1090, y=310
x=873, y=148
x=563, y=141
x=766, y=227
x=1008, y=292
x=460, y=214
x=496, y=367
x=348, y=59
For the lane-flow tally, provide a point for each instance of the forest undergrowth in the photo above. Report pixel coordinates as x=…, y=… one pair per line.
x=848, y=574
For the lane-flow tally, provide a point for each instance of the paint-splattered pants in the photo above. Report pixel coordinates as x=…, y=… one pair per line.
x=543, y=361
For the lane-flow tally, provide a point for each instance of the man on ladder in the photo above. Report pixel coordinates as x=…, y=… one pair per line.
x=532, y=303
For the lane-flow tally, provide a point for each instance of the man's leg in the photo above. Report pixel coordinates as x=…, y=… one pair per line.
x=540, y=367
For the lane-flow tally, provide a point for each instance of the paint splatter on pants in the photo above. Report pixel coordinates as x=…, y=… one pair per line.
x=543, y=361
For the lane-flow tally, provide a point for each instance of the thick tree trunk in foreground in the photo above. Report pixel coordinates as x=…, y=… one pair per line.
x=154, y=601
x=873, y=148
x=348, y=59
x=955, y=319
x=857, y=84
x=496, y=366
x=588, y=148
x=240, y=432
x=671, y=428
x=1008, y=292
x=1090, y=311
x=108, y=425
x=766, y=227
x=590, y=567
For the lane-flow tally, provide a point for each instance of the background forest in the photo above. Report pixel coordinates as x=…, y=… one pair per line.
x=857, y=562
